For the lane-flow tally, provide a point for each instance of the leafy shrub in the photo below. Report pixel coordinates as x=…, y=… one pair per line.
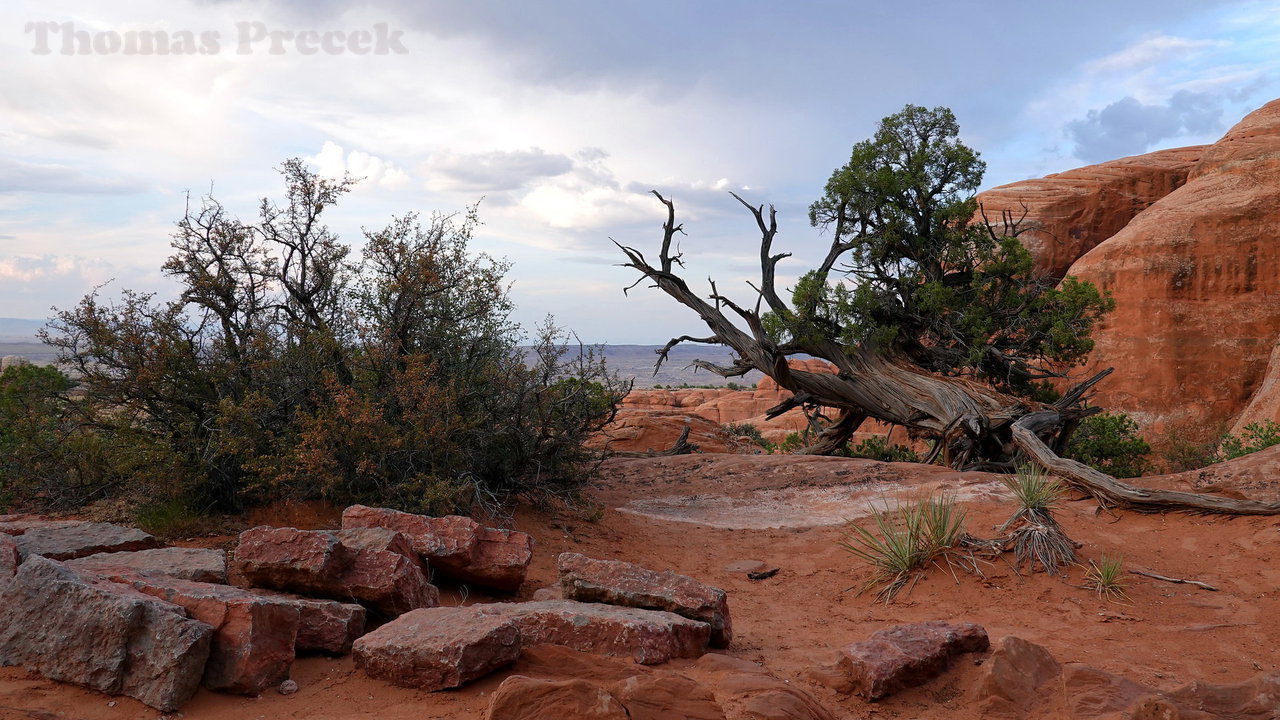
x=747, y=430
x=1110, y=443
x=1253, y=437
x=878, y=448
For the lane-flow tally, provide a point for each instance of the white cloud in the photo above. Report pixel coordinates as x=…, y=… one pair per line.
x=371, y=171
x=1149, y=51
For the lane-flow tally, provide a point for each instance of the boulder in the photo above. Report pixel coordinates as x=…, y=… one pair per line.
x=9, y=559
x=666, y=695
x=622, y=583
x=101, y=635
x=524, y=698
x=19, y=523
x=79, y=539
x=1196, y=278
x=377, y=568
x=647, y=636
x=901, y=656
x=1016, y=678
x=254, y=635
x=455, y=546
x=1068, y=214
x=438, y=648
x=746, y=691
x=198, y=564
x=324, y=626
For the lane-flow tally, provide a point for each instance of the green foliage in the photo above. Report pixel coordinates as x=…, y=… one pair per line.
x=878, y=448
x=289, y=368
x=1252, y=438
x=1106, y=578
x=906, y=539
x=1110, y=442
x=926, y=282
x=747, y=430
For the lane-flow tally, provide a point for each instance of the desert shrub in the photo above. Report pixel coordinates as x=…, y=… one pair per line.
x=1252, y=438
x=1106, y=578
x=747, y=430
x=1110, y=442
x=287, y=368
x=878, y=448
x=1036, y=536
x=906, y=539
x=791, y=443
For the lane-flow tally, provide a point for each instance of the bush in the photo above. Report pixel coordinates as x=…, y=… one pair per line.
x=1110, y=443
x=906, y=540
x=1253, y=437
x=287, y=369
x=878, y=448
x=747, y=430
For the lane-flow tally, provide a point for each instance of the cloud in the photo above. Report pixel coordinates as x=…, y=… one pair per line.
x=1149, y=51
x=1129, y=127
x=371, y=171
x=493, y=171
x=19, y=176
x=30, y=268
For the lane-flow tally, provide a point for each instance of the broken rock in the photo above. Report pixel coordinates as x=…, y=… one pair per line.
x=200, y=565
x=75, y=540
x=9, y=559
x=647, y=636
x=101, y=635
x=900, y=657
x=622, y=583
x=438, y=648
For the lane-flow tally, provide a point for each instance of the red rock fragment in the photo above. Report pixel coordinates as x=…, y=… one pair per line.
x=198, y=564
x=438, y=648
x=901, y=656
x=623, y=583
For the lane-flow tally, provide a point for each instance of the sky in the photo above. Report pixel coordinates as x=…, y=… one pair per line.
x=559, y=117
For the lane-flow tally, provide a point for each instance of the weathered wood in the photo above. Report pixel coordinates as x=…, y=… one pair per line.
x=682, y=446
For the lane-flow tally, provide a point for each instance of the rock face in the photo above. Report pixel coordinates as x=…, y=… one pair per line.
x=647, y=636
x=101, y=635
x=9, y=559
x=1023, y=680
x=79, y=539
x=1196, y=277
x=200, y=565
x=454, y=546
x=1070, y=213
x=524, y=698
x=622, y=583
x=438, y=648
x=373, y=569
x=254, y=635
x=900, y=657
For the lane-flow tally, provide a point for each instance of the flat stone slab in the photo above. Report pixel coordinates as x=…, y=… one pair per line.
x=623, y=583
x=80, y=539
x=901, y=656
x=198, y=564
x=647, y=636
x=101, y=635
x=438, y=648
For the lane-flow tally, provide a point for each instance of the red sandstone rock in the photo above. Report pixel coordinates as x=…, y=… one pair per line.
x=438, y=648
x=376, y=569
x=9, y=559
x=1196, y=278
x=254, y=635
x=524, y=698
x=900, y=657
x=1070, y=213
x=324, y=626
x=101, y=635
x=746, y=691
x=622, y=583
x=1015, y=677
x=454, y=546
x=200, y=565
x=19, y=523
x=666, y=695
x=58, y=541
x=647, y=636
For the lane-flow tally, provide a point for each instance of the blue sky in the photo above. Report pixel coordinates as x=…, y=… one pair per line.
x=563, y=115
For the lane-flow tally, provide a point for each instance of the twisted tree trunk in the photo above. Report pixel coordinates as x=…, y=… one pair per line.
x=975, y=425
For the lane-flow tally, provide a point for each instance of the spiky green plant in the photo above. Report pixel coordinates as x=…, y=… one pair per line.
x=1105, y=578
x=1036, y=536
x=905, y=540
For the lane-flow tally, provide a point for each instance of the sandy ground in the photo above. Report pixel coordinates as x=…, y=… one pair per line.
x=698, y=514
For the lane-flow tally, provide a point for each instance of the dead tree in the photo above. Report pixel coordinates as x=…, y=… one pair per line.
x=972, y=425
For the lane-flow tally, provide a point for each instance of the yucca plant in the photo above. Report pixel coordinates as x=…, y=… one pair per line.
x=905, y=540
x=1104, y=578
x=1036, y=536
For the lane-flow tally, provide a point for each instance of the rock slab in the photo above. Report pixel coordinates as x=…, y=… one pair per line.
x=80, y=539
x=901, y=656
x=647, y=636
x=623, y=583
x=101, y=635
x=454, y=546
x=9, y=559
x=438, y=648
x=200, y=565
